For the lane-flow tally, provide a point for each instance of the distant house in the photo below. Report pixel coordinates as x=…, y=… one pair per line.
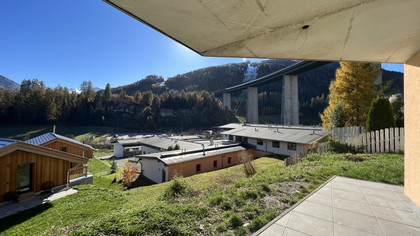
x=162, y=167
x=25, y=167
x=283, y=140
x=64, y=144
x=153, y=144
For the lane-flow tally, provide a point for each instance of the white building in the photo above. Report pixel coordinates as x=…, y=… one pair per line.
x=283, y=140
x=156, y=144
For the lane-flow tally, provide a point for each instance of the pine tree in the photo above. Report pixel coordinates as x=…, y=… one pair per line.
x=380, y=115
x=353, y=86
x=107, y=93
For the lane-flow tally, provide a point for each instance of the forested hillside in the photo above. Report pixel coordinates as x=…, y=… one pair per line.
x=36, y=104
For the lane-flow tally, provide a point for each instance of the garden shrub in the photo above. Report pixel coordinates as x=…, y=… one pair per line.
x=336, y=146
x=177, y=187
x=380, y=115
x=235, y=221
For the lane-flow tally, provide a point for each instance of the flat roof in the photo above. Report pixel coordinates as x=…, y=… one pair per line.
x=160, y=142
x=330, y=30
x=175, y=158
x=295, y=134
x=231, y=126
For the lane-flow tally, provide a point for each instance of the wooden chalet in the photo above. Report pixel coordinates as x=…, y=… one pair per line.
x=25, y=167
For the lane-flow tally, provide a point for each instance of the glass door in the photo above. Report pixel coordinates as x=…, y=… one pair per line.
x=24, y=178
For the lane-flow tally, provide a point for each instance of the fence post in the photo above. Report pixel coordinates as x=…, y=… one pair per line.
x=391, y=140
x=402, y=139
x=378, y=150
x=381, y=140
x=397, y=140
x=368, y=142
x=386, y=140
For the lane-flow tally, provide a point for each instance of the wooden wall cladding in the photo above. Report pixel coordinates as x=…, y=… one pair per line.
x=44, y=169
x=70, y=148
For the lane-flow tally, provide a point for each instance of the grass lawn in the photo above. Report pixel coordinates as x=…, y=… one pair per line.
x=103, y=152
x=219, y=202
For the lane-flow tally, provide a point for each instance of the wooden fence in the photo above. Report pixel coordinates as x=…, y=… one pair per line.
x=347, y=132
x=76, y=172
x=379, y=141
x=297, y=157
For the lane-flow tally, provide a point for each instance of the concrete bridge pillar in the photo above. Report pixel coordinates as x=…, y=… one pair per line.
x=252, y=106
x=226, y=100
x=378, y=80
x=290, y=100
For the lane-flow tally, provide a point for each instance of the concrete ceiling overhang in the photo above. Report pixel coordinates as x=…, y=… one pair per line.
x=351, y=30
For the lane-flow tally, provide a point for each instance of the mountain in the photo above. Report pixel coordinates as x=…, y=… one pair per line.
x=6, y=83
x=313, y=86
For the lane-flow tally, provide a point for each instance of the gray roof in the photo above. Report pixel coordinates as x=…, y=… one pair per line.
x=50, y=136
x=190, y=156
x=231, y=126
x=160, y=143
x=6, y=141
x=295, y=134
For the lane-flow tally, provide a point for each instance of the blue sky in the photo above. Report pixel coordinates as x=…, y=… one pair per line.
x=66, y=42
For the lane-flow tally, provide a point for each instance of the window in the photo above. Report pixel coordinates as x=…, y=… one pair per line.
x=63, y=149
x=231, y=137
x=291, y=146
x=71, y=164
x=229, y=160
x=198, y=168
x=275, y=144
x=259, y=141
x=215, y=164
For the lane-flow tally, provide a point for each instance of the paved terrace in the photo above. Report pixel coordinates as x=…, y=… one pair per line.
x=344, y=206
x=10, y=208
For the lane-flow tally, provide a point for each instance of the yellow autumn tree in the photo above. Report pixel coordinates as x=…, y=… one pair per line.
x=353, y=86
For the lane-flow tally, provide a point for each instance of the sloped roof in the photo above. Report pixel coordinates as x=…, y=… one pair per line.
x=31, y=148
x=6, y=141
x=295, y=134
x=331, y=30
x=50, y=136
x=160, y=143
x=172, y=159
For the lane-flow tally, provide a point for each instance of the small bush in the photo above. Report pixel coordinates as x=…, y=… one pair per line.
x=257, y=223
x=338, y=147
x=177, y=187
x=129, y=174
x=226, y=205
x=355, y=158
x=216, y=200
x=221, y=228
x=235, y=221
x=113, y=166
x=241, y=231
x=248, y=160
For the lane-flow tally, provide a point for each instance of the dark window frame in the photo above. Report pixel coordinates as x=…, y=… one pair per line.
x=198, y=168
x=215, y=164
x=291, y=146
x=277, y=144
x=260, y=141
x=63, y=149
x=229, y=160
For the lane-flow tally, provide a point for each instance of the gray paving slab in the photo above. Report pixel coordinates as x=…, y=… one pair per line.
x=8, y=209
x=345, y=206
